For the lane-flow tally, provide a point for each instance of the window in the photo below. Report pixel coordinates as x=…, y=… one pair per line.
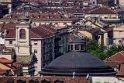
x=22, y=34
x=21, y=81
x=10, y=42
x=10, y=81
x=35, y=43
x=120, y=42
x=35, y=50
x=58, y=81
x=71, y=47
x=97, y=82
x=50, y=24
x=113, y=17
x=77, y=47
x=82, y=47
x=64, y=23
x=45, y=81
x=106, y=17
x=33, y=81
x=120, y=33
x=56, y=23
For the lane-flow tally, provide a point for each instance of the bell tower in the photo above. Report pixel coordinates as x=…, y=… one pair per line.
x=23, y=46
x=23, y=36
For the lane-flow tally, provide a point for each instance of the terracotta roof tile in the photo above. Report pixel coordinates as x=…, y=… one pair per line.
x=3, y=66
x=118, y=57
x=9, y=25
x=121, y=70
x=102, y=10
x=42, y=32
x=1, y=26
x=103, y=1
x=11, y=33
x=112, y=63
x=40, y=17
x=34, y=34
x=2, y=71
x=5, y=61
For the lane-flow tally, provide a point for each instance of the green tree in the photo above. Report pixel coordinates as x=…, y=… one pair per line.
x=96, y=49
x=114, y=49
x=92, y=45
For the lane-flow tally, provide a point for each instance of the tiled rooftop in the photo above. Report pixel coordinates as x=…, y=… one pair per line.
x=42, y=31
x=118, y=57
x=102, y=10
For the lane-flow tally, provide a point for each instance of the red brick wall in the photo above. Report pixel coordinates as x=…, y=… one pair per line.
x=66, y=79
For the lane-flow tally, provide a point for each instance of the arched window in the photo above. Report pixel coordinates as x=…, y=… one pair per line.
x=10, y=81
x=21, y=81
x=22, y=34
x=45, y=81
x=33, y=81
x=58, y=81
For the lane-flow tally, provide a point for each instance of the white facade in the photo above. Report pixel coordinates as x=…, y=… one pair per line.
x=118, y=35
x=104, y=17
x=41, y=48
x=121, y=2
x=1, y=40
x=101, y=79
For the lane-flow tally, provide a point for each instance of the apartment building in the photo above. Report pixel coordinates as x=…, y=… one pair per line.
x=103, y=13
x=34, y=46
x=115, y=35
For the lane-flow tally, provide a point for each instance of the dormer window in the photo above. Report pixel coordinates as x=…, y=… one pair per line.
x=70, y=47
x=77, y=47
x=22, y=34
x=83, y=47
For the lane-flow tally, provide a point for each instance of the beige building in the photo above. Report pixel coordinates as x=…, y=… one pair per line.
x=105, y=79
x=103, y=13
x=33, y=45
x=118, y=35
x=38, y=44
x=43, y=18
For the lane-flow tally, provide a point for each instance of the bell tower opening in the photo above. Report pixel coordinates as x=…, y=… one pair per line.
x=22, y=34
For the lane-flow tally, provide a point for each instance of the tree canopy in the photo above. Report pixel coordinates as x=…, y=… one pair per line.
x=100, y=51
x=96, y=49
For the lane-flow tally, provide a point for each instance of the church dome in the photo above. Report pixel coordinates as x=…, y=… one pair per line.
x=80, y=63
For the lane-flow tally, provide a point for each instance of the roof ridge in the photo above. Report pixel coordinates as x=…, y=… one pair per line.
x=121, y=53
x=102, y=7
x=112, y=55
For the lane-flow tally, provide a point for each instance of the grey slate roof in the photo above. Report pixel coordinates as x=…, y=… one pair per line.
x=79, y=62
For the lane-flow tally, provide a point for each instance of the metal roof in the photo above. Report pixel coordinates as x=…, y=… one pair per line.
x=79, y=62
